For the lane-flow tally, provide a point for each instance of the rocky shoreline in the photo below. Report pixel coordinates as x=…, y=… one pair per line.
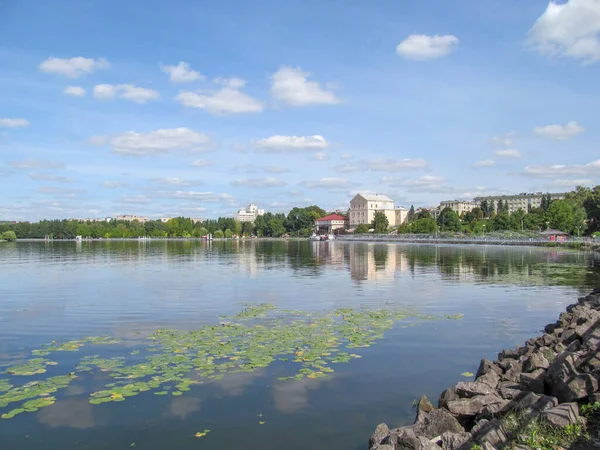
x=527, y=392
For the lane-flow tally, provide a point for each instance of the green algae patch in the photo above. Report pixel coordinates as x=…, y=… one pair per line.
x=304, y=345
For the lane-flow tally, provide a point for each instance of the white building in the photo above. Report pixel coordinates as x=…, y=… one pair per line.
x=249, y=214
x=401, y=215
x=524, y=201
x=329, y=224
x=364, y=206
x=458, y=206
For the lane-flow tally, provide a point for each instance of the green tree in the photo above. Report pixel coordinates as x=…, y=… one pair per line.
x=423, y=226
x=423, y=214
x=559, y=215
x=411, y=214
x=448, y=220
x=485, y=207
x=501, y=222
x=8, y=236
x=592, y=208
x=228, y=233
x=219, y=234
x=276, y=227
x=362, y=229
x=380, y=223
x=247, y=228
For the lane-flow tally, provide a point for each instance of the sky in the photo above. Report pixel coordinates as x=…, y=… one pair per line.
x=198, y=108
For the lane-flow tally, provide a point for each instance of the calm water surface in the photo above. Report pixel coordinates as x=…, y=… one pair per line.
x=128, y=290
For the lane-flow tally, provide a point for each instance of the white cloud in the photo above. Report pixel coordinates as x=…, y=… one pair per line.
x=158, y=141
x=75, y=91
x=381, y=164
x=208, y=197
x=275, y=169
x=278, y=143
x=49, y=177
x=505, y=139
x=571, y=183
x=346, y=156
x=32, y=163
x=424, y=48
x=13, y=123
x=227, y=100
x=426, y=180
x=114, y=184
x=329, y=183
x=508, y=153
x=319, y=156
x=592, y=168
x=175, y=181
x=181, y=73
x=202, y=163
x=484, y=163
x=135, y=200
x=98, y=140
x=291, y=86
x=559, y=132
x=125, y=91
x=395, y=180
x=346, y=168
x=570, y=29
x=260, y=182
x=74, y=67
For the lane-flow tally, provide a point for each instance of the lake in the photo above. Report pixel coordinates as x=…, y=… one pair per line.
x=255, y=344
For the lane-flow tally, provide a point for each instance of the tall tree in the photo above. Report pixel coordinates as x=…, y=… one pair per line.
x=380, y=223
x=448, y=220
x=411, y=214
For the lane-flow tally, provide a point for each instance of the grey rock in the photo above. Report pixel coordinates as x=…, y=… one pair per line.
x=493, y=432
x=534, y=402
x=509, y=354
x=407, y=440
x=566, y=383
x=447, y=396
x=591, y=361
x=595, y=397
x=479, y=425
x=486, y=366
x=562, y=415
x=551, y=327
x=385, y=447
x=592, y=340
x=381, y=432
x=487, y=446
x=492, y=410
x=510, y=393
x=535, y=361
x=513, y=374
x=558, y=331
x=436, y=423
x=470, y=407
x=426, y=444
x=453, y=441
x=424, y=407
x=568, y=337
x=468, y=389
x=547, y=340
x=534, y=381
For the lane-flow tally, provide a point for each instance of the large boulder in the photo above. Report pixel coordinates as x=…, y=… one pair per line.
x=566, y=383
x=447, y=396
x=485, y=367
x=381, y=432
x=454, y=441
x=407, y=440
x=436, y=423
x=533, y=382
x=470, y=407
x=533, y=403
x=562, y=415
x=493, y=432
x=424, y=407
x=534, y=362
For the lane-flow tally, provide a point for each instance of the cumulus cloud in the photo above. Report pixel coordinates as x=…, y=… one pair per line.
x=426, y=180
x=74, y=67
x=484, y=163
x=421, y=47
x=158, y=141
x=126, y=91
x=551, y=171
x=181, y=73
x=505, y=140
x=49, y=177
x=134, y=200
x=559, y=132
x=175, y=181
x=13, y=123
x=275, y=169
x=202, y=163
x=227, y=100
x=346, y=156
x=260, y=182
x=329, y=183
x=114, y=184
x=98, y=140
x=35, y=164
x=291, y=86
x=508, y=153
x=319, y=156
x=278, y=143
x=75, y=91
x=206, y=197
x=570, y=29
x=390, y=165
x=570, y=184
x=346, y=168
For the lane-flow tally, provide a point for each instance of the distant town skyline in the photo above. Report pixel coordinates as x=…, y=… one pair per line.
x=295, y=103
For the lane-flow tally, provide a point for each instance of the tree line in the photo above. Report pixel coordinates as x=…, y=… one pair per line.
x=298, y=222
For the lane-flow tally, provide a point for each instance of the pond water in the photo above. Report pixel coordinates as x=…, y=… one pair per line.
x=268, y=344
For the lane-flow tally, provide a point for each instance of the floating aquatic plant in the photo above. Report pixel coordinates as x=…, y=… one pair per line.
x=307, y=343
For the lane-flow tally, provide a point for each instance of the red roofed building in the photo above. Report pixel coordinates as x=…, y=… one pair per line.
x=329, y=224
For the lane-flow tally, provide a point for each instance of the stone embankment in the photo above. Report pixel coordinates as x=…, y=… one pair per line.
x=543, y=382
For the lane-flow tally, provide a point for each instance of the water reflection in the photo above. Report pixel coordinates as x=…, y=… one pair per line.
x=71, y=412
x=181, y=407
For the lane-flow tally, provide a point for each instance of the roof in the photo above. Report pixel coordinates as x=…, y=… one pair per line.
x=376, y=197
x=331, y=217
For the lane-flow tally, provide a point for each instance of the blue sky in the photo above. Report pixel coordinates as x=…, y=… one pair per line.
x=197, y=108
